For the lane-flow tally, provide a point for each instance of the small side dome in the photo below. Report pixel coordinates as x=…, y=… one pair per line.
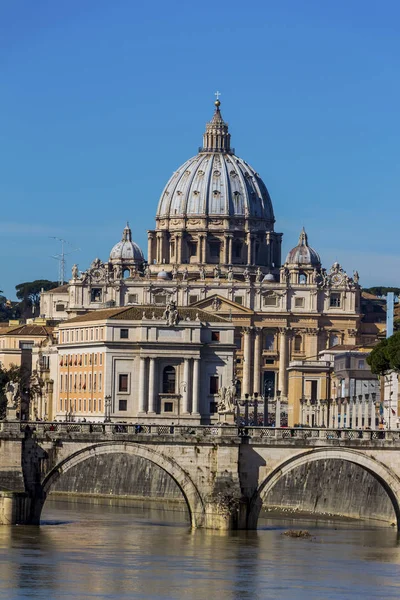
x=303, y=254
x=269, y=277
x=126, y=250
x=163, y=275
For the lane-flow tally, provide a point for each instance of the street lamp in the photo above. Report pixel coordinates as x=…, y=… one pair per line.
x=267, y=391
x=107, y=409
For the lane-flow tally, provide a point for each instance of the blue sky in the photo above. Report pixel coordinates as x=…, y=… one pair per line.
x=101, y=101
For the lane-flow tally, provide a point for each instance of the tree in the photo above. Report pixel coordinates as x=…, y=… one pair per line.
x=29, y=294
x=386, y=355
x=381, y=290
x=13, y=373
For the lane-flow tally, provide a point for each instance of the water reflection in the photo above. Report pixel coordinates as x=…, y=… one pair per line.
x=91, y=551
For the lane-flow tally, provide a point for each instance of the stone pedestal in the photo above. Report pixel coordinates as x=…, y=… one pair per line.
x=11, y=414
x=226, y=419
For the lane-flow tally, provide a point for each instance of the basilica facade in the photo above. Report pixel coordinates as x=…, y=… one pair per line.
x=214, y=249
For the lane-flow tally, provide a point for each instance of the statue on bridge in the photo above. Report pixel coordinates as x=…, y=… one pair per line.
x=226, y=400
x=11, y=392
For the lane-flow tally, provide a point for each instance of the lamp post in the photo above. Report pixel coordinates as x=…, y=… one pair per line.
x=267, y=391
x=107, y=409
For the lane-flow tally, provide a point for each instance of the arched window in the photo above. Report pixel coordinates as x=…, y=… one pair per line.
x=169, y=379
x=297, y=343
x=126, y=273
x=302, y=278
x=334, y=341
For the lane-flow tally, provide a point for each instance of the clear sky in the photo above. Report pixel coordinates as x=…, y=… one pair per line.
x=101, y=101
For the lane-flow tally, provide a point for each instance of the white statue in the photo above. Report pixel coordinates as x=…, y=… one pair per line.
x=230, y=273
x=202, y=273
x=246, y=274
x=147, y=272
x=171, y=313
x=259, y=275
x=356, y=277
x=226, y=399
x=75, y=271
x=217, y=272
x=11, y=391
x=185, y=274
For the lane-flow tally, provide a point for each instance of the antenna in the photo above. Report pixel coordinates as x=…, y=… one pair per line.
x=61, y=258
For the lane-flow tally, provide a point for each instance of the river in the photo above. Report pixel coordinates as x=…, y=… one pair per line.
x=88, y=551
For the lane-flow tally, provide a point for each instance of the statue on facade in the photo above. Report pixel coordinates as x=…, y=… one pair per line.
x=230, y=273
x=246, y=274
x=147, y=271
x=356, y=277
x=216, y=304
x=174, y=272
x=259, y=275
x=95, y=264
x=171, y=313
x=202, y=273
x=117, y=272
x=185, y=274
x=11, y=392
x=217, y=272
x=75, y=271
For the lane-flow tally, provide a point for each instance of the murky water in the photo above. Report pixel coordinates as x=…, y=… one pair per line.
x=89, y=551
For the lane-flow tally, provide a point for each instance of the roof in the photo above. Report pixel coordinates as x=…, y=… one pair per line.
x=137, y=313
x=31, y=330
x=61, y=289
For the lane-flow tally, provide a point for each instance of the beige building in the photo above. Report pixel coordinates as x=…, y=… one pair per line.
x=215, y=249
x=144, y=364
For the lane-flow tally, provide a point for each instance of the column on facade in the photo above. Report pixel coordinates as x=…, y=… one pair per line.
x=257, y=360
x=202, y=248
x=185, y=387
x=150, y=237
x=340, y=413
x=330, y=414
x=249, y=249
x=335, y=413
x=178, y=248
x=158, y=247
x=373, y=414
x=360, y=412
x=246, y=360
x=366, y=411
x=230, y=249
x=195, y=386
x=278, y=412
x=142, y=385
x=152, y=399
x=282, y=378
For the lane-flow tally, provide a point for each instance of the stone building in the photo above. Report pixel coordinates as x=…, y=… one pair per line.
x=214, y=248
x=145, y=364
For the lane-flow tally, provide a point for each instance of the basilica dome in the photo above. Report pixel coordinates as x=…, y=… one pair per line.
x=303, y=254
x=216, y=183
x=126, y=249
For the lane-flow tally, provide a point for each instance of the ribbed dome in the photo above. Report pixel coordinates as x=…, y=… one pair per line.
x=303, y=254
x=216, y=182
x=127, y=250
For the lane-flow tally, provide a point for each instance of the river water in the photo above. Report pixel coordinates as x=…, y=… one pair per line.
x=88, y=551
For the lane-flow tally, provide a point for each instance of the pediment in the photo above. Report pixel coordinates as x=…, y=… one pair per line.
x=221, y=306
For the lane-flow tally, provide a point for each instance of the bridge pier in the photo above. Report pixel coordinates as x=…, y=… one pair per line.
x=15, y=508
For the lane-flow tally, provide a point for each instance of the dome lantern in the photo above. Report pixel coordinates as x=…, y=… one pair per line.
x=127, y=251
x=216, y=137
x=303, y=255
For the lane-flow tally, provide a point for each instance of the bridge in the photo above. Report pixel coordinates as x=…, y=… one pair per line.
x=224, y=473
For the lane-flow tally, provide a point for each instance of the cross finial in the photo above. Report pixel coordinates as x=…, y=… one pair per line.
x=217, y=94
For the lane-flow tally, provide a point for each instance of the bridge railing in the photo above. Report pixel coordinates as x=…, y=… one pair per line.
x=255, y=432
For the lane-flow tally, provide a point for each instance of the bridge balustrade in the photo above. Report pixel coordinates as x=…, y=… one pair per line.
x=255, y=432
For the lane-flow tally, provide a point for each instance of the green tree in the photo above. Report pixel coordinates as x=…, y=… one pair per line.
x=381, y=290
x=386, y=355
x=29, y=294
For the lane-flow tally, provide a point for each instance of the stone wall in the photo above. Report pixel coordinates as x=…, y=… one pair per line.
x=332, y=487
x=119, y=475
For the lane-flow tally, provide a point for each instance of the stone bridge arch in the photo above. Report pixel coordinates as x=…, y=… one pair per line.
x=383, y=474
x=189, y=490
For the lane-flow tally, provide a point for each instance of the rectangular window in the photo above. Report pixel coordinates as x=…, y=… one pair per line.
x=299, y=302
x=159, y=299
x=95, y=359
x=122, y=382
x=60, y=307
x=214, y=384
x=215, y=336
x=193, y=299
x=361, y=364
x=269, y=341
x=94, y=382
x=214, y=249
x=100, y=359
x=94, y=405
x=90, y=382
x=80, y=404
x=95, y=295
x=91, y=334
x=122, y=404
x=192, y=248
x=334, y=300
x=61, y=403
x=133, y=299
x=314, y=390
x=238, y=341
x=269, y=300
x=213, y=408
x=99, y=404
x=239, y=300
x=84, y=405
x=124, y=334
x=168, y=406
x=100, y=381
x=90, y=405
x=97, y=334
